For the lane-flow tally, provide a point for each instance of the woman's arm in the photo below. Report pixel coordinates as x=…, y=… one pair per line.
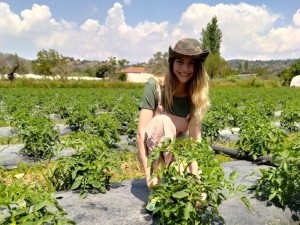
x=195, y=132
x=145, y=116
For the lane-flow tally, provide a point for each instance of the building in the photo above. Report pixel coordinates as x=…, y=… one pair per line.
x=137, y=74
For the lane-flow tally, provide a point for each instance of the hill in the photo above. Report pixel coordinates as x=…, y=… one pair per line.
x=274, y=66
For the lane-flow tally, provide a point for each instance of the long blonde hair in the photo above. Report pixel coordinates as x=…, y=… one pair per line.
x=198, y=91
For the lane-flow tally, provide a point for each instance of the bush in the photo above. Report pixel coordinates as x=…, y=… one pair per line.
x=122, y=76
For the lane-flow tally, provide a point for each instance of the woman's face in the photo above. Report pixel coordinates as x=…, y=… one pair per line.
x=183, y=68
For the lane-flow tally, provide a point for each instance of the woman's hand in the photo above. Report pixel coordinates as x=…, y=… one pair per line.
x=168, y=158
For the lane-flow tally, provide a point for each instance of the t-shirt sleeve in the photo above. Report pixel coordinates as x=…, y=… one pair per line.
x=150, y=96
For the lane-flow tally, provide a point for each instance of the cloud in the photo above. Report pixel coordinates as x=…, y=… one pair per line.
x=248, y=33
x=296, y=18
x=127, y=2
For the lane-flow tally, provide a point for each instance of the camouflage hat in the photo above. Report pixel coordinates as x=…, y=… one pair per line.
x=188, y=47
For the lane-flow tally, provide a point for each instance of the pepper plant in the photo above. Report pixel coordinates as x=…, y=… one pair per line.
x=88, y=168
x=281, y=183
x=290, y=120
x=29, y=204
x=256, y=139
x=180, y=198
x=39, y=135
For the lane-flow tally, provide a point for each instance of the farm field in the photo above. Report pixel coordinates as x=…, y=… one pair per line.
x=263, y=121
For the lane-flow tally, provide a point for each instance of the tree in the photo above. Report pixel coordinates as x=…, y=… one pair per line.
x=50, y=63
x=211, y=37
x=103, y=71
x=159, y=63
x=122, y=64
x=288, y=74
x=216, y=66
x=240, y=68
x=246, y=66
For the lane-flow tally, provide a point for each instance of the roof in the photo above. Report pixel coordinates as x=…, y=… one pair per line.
x=133, y=69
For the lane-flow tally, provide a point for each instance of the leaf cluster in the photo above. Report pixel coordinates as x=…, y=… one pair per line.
x=280, y=184
x=89, y=168
x=39, y=135
x=180, y=198
x=29, y=204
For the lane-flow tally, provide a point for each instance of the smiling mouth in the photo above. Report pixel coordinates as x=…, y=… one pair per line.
x=184, y=74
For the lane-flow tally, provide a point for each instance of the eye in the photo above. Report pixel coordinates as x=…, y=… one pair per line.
x=179, y=61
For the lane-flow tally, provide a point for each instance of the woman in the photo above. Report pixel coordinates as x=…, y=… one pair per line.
x=175, y=106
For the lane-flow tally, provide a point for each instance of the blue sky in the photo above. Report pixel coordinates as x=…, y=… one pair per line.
x=136, y=29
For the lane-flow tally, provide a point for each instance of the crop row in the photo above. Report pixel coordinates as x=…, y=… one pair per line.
x=268, y=122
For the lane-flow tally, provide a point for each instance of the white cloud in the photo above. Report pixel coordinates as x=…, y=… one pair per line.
x=248, y=33
x=127, y=2
x=296, y=18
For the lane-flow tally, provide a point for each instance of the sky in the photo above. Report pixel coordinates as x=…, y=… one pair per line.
x=136, y=29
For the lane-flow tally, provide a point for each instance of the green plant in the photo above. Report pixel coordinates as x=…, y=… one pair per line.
x=77, y=120
x=281, y=183
x=131, y=132
x=258, y=139
x=39, y=135
x=29, y=204
x=122, y=76
x=105, y=127
x=212, y=124
x=178, y=198
x=290, y=118
x=88, y=168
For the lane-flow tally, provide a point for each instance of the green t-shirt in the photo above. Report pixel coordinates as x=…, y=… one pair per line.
x=181, y=106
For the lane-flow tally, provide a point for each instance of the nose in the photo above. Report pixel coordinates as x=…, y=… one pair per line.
x=185, y=67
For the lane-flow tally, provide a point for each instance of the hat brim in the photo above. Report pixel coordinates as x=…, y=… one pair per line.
x=203, y=55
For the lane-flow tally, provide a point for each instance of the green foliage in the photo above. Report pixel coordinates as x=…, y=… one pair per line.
x=281, y=184
x=211, y=37
x=122, y=64
x=122, y=76
x=179, y=199
x=87, y=169
x=259, y=139
x=246, y=66
x=90, y=72
x=77, y=119
x=49, y=63
x=259, y=71
x=105, y=126
x=290, y=118
x=9, y=61
x=216, y=66
x=29, y=204
x=293, y=71
x=132, y=131
x=158, y=65
x=103, y=71
x=39, y=135
x=212, y=124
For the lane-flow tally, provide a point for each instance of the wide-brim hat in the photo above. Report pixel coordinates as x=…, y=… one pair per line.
x=188, y=47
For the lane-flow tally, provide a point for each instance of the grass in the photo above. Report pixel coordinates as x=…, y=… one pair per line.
x=10, y=140
x=28, y=174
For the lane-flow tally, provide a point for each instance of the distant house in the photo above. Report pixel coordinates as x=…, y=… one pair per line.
x=295, y=81
x=133, y=69
x=137, y=74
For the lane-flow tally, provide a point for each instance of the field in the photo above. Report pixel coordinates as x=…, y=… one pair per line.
x=266, y=119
